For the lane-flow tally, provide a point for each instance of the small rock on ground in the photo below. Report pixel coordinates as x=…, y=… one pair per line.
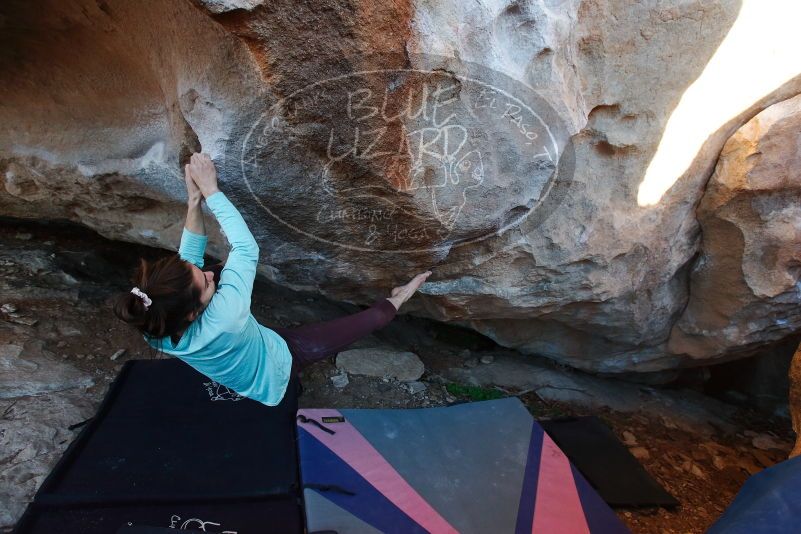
x=69, y=331
x=766, y=442
x=340, y=381
x=629, y=439
x=415, y=387
x=380, y=363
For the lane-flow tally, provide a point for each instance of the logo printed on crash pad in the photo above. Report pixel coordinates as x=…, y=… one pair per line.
x=218, y=392
x=194, y=524
x=338, y=419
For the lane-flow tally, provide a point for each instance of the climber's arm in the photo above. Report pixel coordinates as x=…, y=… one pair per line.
x=229, y=308
x=193, y=238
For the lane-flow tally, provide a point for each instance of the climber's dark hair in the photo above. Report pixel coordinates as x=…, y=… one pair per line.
x=168, y=282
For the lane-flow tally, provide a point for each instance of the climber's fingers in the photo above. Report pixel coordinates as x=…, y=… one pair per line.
x=190, y=181
x=191, y=187
x=202, y=162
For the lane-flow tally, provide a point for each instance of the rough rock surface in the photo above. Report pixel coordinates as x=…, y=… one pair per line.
x=744, y=287
x=27, y=370
x=686, y=409
x=102, y=100
x=795, y=399
x=33, y=436
x=381, y=363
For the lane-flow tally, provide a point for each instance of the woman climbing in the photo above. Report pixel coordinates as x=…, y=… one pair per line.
x=181, y=310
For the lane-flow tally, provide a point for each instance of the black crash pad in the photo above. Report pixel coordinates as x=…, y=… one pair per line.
x=606, y=463
x=168, y=442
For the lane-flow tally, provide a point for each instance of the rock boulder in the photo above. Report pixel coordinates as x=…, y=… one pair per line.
x=500, y=144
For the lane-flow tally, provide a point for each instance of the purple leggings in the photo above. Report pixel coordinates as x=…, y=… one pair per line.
x=317, y=341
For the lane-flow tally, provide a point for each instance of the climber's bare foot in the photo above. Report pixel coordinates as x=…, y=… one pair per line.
x=401, y=294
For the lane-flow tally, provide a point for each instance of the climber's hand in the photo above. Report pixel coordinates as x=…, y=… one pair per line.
x=202, y=171
x=192, y=191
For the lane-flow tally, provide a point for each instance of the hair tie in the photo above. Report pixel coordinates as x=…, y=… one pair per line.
x=139, y=293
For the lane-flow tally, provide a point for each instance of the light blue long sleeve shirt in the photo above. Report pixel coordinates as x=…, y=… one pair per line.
x=225, y=342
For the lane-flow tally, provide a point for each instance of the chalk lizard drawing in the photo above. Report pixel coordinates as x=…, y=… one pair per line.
x=434, y=168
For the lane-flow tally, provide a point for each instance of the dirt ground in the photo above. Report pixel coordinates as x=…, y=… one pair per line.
x=74, y=319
